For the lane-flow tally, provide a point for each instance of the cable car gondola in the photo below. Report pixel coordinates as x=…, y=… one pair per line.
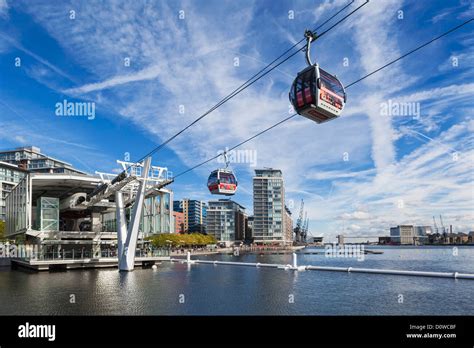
x=315, y=93
x=222, y=181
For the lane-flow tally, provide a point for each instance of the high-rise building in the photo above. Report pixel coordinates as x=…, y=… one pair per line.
x=226, y=220
x=31, y=159
x=10, y=175
x=178, y=222
x=288, y=224
x=268, y=207
x=194, y=214
x=249, y=230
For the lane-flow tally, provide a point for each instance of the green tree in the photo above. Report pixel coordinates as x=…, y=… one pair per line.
x=2, y=230
x=165, y=240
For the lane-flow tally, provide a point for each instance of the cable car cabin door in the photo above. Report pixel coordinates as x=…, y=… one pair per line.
x=227, y=183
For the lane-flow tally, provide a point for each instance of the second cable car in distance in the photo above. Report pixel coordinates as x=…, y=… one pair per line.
x=222, y=181
x=315, y=93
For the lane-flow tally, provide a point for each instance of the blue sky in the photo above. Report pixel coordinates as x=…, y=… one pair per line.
x=359, y=174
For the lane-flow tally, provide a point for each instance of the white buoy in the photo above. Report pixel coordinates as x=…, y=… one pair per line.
x=154, y=267
x=295, y=262
x=188, y=258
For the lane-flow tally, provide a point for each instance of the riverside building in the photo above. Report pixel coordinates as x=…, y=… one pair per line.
x=227, y=221
x=269, y=225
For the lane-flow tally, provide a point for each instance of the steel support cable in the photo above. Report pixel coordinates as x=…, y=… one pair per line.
x=351, y=84
x=410, y=52
x=257, y=76
x=236, y=146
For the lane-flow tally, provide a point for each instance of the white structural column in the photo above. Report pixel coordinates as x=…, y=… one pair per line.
x=121, y=223
x=127, y=259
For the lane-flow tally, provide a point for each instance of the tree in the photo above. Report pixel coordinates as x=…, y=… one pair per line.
x=2, y=230
x=166, y=240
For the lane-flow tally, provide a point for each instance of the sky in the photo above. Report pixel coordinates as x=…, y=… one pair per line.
x=151, y=67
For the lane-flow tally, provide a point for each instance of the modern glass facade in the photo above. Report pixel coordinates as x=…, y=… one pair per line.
x=402, y=234
x=17, y=205
x=31, y=206
x=10, y=176
x=194, y=214
x=268, y=205
x=226, y=220
x=47, y=215
x=155, y=216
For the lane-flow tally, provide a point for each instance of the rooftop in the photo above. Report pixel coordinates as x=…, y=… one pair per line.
x=268, y=172
x=12, y=166
x=37, y=151
x=226, y=200
x=61, y=185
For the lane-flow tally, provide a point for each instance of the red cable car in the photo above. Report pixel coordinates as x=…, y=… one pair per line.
x=315, y=93
x=222, y=181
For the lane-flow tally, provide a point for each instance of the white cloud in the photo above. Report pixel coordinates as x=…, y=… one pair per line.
x=149, y=73
x=21, y=139
x=354, y=228
x=191, y=63
x=38, y=58
x=356, y=215
x=3, y=8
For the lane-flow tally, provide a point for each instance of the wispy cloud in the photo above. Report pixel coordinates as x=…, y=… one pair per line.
x=181, y=67
x=142, y=75
x=3, y=8
x=38, y=58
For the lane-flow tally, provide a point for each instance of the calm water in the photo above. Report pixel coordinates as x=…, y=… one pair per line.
x=209, y=289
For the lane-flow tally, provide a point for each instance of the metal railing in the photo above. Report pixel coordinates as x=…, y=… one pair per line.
x=88, y=254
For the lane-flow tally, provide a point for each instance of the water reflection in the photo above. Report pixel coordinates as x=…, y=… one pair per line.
x=220, y=289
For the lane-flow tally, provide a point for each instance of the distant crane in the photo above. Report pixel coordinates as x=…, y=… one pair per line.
x=306, y=230
x=299, y=223
x=305, y=227
x=442, y=226
x=435, y=225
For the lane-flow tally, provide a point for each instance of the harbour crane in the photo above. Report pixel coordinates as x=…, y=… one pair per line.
x=299, y=223
x=442, y=226
x=304, y=234
x=435, y=226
